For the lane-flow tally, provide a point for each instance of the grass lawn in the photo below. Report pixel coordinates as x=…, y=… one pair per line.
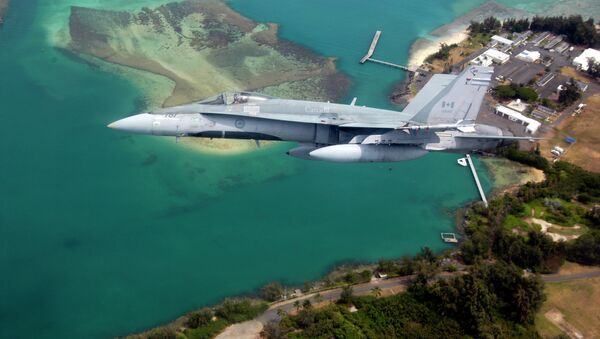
x=578, y=301
x=570, y=214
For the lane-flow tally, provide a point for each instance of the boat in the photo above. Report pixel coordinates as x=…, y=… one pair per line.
x=462, y=162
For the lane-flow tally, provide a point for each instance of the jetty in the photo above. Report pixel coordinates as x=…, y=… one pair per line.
x=369, y=55
x=476, y=177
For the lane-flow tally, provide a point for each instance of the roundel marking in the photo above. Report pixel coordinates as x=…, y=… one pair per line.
x=240, y=123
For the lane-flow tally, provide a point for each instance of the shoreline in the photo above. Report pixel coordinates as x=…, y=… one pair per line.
x=455, y=31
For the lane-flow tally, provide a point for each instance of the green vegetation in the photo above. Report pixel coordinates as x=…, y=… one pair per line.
x=442, y=54
x=586, y=249
x=199, y=318
x=202, y=326
x=593, y=68
x=489, y=25
x=272, y=291
x=574, y=28
x=492, y=300
x=556, y=200
x=569, y=94
x=515, y=91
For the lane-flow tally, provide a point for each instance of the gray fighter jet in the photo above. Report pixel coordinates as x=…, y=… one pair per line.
x=441, y=117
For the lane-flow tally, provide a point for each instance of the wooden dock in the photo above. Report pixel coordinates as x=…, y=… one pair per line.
x=368, y=56
x=470, y=161
x=371, y=48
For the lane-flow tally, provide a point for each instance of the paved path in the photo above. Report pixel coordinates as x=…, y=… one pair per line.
x=553, y=278
x=251, y=329
x=333, y=295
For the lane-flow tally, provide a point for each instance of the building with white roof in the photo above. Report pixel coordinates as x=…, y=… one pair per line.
x=581, y=62
x=531, y=125
x=529, y=56
x=490, y=56
x=502, y=40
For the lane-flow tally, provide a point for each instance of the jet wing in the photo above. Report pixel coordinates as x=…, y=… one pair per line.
x=451, y=99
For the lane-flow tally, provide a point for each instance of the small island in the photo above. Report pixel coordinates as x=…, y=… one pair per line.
x=201, y=48
x=3, y=10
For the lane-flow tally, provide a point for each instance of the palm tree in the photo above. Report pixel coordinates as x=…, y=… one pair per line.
x=281, y=313
x=376, y=291
x=297, y=305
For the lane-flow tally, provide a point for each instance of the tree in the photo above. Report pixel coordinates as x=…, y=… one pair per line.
x=426, y=254
x=199, y=318
x=306, y=304
x=297, y=305
x=347, y=295
x=593, y=68
x=272, y=291
x=307, y=286
x=162, y=333
x=376, y=291
x=585, y=249
x=505, y=92
x=527, y=94
x=386, y=266
x=569, y=94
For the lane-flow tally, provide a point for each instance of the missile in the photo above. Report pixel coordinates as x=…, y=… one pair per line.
x=368, y=153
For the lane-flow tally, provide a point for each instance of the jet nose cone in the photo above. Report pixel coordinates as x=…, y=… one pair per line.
x=140, y=123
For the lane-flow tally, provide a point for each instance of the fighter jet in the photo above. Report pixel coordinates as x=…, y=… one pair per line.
x=441, y=117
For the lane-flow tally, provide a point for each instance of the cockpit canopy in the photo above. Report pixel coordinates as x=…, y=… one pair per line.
x=233, y=98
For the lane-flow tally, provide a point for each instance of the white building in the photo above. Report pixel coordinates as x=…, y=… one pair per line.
x=581, y=62
x=518, y=105
x=490, y=56
x=531, y=125
x=502, y=40
x=529, y=56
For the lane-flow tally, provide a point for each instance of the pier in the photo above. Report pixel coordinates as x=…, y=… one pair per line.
x=368, y=56
x=389, y=64
x=371, y=48
x=470, y=161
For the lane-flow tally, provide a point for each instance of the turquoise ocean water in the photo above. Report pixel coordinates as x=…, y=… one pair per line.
x=104, y=234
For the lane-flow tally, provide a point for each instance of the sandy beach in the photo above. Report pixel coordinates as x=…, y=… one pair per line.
x=424, y=47
x=456, y=31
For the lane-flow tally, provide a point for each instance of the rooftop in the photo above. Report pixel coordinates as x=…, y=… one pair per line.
x=582, y=60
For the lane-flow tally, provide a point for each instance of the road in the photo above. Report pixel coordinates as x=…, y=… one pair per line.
x=333, y=295
x=399, y=282
x=251, y=329
x=554, y=278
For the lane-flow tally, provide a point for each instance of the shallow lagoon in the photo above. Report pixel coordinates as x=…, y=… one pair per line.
x=103, y=234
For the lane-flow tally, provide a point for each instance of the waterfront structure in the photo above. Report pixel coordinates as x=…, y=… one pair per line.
x=489, y=57
x=582, y=61
x=531, y=125
x=441, y=117
x=529, y=56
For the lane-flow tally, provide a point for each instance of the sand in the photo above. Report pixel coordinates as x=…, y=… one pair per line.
x=456, y=31
x=422, y=48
